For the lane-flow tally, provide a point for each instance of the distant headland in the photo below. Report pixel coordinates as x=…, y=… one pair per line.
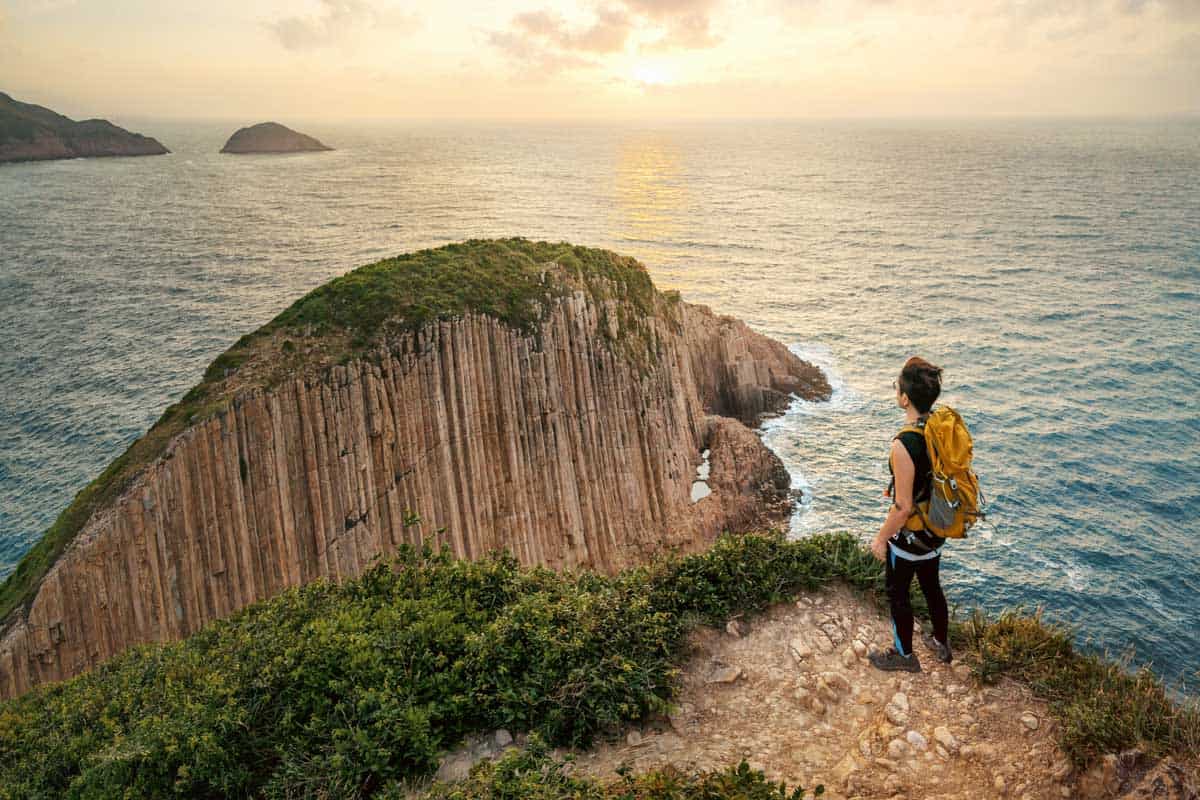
x=271, y=137
x=34, y=133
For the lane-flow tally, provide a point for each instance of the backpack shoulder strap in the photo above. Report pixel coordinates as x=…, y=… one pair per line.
x=910, y=429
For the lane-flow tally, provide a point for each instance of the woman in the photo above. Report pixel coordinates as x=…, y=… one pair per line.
x=908, y=552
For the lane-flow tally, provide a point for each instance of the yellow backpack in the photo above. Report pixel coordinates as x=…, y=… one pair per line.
x=955, y=502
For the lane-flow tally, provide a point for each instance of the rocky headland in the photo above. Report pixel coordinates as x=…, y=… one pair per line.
x=544, y=399
x=33, y=133
x=271, y=137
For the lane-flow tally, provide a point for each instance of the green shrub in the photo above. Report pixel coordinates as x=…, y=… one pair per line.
x=336, y=690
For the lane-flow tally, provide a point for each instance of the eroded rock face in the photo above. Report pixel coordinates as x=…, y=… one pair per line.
x=271, y=137
x=553, y=446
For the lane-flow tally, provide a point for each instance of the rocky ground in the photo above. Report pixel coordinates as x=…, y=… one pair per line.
x=793, y=694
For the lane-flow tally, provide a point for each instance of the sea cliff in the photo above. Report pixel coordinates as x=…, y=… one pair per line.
x=544, y=399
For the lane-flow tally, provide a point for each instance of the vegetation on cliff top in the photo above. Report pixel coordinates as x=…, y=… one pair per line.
x=350, y=690
x=353, y=315
x=335, y=690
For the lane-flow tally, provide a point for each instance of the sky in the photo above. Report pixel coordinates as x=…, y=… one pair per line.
x=601, y=59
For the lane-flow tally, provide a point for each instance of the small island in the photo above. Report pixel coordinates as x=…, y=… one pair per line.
x=33, y=133
x=271, y=137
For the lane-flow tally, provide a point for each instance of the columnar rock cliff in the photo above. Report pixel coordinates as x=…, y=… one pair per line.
x=561, y=444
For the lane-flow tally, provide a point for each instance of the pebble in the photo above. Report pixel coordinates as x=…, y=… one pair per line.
x=735, y=628
x=917, y=741
x=849, y=657
x=633, y=739
x=810, y=701
x=897, y=709
x=502, y=738
x=999, y=784
x=836, y=680
x=800, y=649
x=860, y=649
x=724, y=675
x=945, y=738
x=1030, y=721
x=897, y=748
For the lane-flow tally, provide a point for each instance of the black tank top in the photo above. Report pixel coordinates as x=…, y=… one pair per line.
x=921, y=542
x=914, y=443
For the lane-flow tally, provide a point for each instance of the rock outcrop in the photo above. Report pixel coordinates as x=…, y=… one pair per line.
x=34, y=133
x=555, y=443
x=271, y=137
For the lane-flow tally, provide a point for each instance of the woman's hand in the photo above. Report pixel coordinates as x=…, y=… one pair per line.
x=879, y=548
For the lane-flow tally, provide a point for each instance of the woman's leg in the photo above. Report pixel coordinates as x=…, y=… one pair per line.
x=931, y=587
x=899, y=578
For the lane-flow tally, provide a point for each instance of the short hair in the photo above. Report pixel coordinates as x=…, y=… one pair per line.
x=922, y=382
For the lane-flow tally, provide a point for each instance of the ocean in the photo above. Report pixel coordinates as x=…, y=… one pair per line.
x=1049, y=266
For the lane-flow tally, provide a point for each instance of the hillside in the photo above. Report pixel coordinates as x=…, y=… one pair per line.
x=33, y=133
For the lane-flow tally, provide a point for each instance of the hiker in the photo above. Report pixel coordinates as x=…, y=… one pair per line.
x=904, y=550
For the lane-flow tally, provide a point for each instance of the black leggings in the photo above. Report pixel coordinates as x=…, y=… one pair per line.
x=899, y=577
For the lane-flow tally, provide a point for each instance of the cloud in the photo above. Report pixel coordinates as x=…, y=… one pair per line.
x=338, y=20
x=1182, y=9
x=545, y=39
x=607, y=34
x=543, y=42
x=534, y=55
x=689, y=32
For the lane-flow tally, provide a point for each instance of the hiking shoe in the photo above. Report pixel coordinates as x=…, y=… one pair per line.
x=943, y=650
x=891, y=660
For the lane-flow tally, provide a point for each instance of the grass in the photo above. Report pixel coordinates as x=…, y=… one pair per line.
x=351, y=690
x=353, y=316
x=1101, y=705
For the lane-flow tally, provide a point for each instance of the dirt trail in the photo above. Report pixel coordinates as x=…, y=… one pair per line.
x=794, y=695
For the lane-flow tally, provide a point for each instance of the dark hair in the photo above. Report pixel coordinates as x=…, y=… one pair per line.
x=922, y=382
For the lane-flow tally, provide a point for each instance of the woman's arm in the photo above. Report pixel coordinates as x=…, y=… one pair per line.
x=902, y=504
